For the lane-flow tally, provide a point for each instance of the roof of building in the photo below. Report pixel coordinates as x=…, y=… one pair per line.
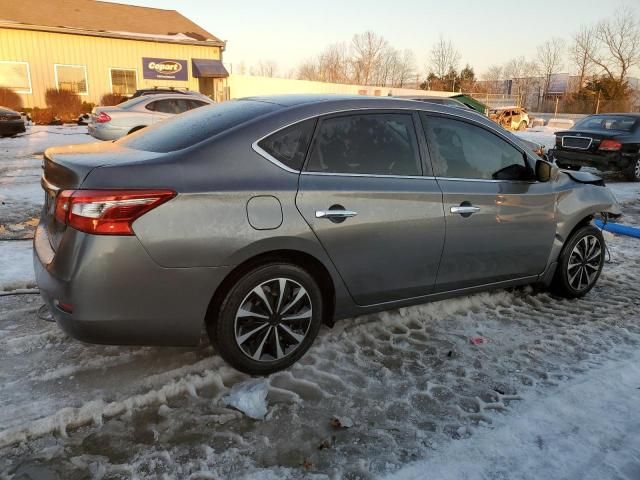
x=106, y=19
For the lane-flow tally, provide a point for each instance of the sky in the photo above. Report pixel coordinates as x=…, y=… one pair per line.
x=486, y=32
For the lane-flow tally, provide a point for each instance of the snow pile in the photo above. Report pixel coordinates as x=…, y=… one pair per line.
x=249, y=397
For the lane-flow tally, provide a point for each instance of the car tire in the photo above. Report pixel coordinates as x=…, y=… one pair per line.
x=522, y=126
x=633, y=171
x=580, y=263
x=135, y=129
x=268, y=319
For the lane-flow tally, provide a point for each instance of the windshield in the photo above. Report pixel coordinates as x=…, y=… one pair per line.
x=196, y=125
x=607, y=122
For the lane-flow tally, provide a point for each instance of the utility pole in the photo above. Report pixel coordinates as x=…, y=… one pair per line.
x=598, y=102
x=556, y=112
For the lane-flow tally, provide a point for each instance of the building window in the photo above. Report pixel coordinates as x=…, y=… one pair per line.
x=16, y=76
x=72, y=77
x=123, y=81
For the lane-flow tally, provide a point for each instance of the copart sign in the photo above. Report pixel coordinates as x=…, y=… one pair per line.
x=164, y=69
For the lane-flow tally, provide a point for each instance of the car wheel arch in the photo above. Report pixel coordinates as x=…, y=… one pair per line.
x=295, y=257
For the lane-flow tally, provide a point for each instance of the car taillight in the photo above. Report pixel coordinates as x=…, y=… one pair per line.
x=103, y=118
x=610, y=145
x=107, y=212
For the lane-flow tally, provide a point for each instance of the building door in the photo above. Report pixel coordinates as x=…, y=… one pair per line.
x=205, y=86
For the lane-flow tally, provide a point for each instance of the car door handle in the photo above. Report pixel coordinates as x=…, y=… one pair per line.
x=465, y=209
x=335, y=214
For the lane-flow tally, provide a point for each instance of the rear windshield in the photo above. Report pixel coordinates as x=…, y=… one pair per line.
x=607, y=122
x=130, y=103
x=193, y=127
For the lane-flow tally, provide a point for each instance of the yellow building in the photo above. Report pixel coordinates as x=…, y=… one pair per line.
x=94, y=48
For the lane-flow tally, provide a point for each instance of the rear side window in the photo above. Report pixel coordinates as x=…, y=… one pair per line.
x=196, y=125
x=374, y=144
x=289, y=145
x=462, y=150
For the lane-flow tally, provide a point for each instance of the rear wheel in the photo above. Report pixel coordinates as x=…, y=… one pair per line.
x=268, y=319
x=633, y=172
x=580, y=263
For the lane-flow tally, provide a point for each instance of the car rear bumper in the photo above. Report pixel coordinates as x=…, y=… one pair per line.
x=118, y=294
x=105, y=131
x=601, y=161
x=12, y=128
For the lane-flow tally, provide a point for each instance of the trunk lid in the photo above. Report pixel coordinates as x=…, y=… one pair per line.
x=65, y=168
x=586, y=140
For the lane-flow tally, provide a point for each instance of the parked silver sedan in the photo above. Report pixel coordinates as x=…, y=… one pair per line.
x=111, y=123
x=263, y=218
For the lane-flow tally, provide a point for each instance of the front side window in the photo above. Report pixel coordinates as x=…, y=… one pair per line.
x=123, y=81
x=462, y=150
x=15, y=76
x=374, y=144
x=73, y=78
x=289, y=145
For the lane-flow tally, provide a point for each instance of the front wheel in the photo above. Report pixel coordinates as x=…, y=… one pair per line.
x=268, y=319
x=522, y=126
x=633, y=172
x=580, y=263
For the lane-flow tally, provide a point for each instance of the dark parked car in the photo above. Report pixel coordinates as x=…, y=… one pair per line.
x=263, y=218
x=609, y=141
x=11, y=123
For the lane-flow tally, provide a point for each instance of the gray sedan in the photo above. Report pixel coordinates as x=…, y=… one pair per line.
x=263, y=218
x=111, y=123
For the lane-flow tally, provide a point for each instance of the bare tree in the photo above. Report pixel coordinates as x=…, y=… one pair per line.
x=444, y=58
x=308, y=70
x=405, y=68
x=493, y=77
x=367, y=48
x=550, y=59
x=582, y=51
x=333, y=64
x=267, y=68
x=620, y=44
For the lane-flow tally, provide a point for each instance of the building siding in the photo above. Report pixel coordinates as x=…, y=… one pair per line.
x=42, y=50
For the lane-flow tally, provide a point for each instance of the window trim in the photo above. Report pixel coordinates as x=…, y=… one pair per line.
x=86, y=77
x=370, y=111
x=30, y=90
x=492, y=129
x=486, y=129
x=111, y=69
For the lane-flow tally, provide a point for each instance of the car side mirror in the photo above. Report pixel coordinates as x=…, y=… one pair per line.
x=543, y=171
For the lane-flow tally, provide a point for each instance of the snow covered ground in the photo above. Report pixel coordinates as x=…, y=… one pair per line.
x=551, y=393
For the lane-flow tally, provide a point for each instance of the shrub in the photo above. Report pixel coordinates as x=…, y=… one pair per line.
x=110, y=99
x=41, y=116
x=64, y=104
x=87, y=107
x=10, y=99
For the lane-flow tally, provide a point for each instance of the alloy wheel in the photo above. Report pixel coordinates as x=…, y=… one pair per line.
x=273, y=320
x=636, y=170
x=584, y=263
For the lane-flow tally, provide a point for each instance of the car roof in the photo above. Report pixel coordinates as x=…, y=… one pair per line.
x=169, y=96
x=7, y=110
x=312, y=105
x=627, y=114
